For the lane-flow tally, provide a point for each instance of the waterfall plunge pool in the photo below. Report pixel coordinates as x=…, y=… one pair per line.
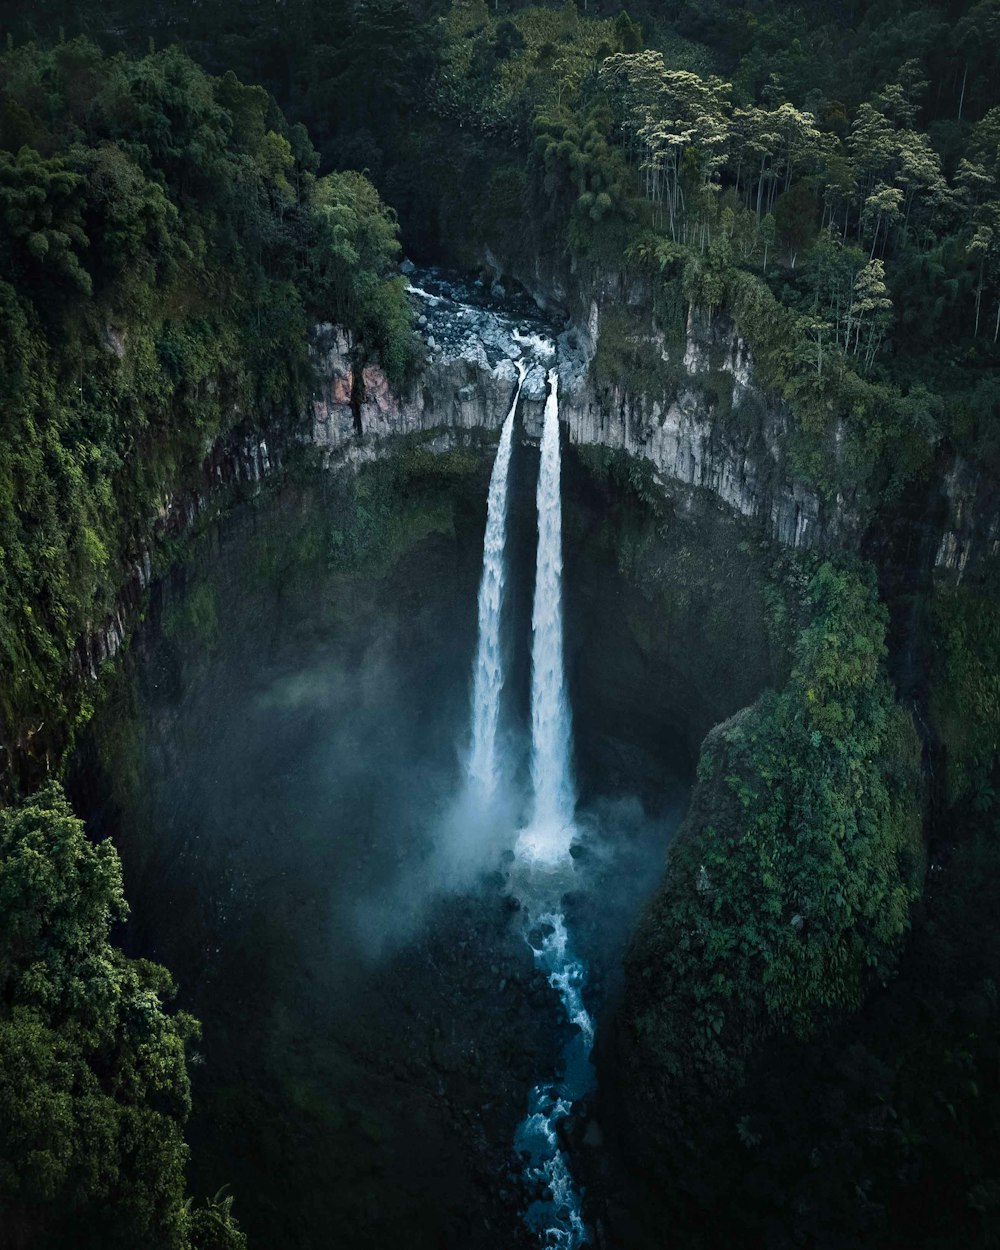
x=278, y=763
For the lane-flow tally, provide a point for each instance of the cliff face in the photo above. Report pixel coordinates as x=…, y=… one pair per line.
x=241, y=458
x=713, y=433
x=970, y=535
x=740, y=455
x=354, y=413
x=718, y=432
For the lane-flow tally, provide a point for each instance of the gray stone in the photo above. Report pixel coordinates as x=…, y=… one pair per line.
x=467, y=384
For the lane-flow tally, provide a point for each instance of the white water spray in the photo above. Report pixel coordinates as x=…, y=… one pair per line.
x=487, y=682
x=548, y=837
x=555, y=1212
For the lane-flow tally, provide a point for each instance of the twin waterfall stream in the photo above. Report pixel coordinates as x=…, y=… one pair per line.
x=543, y=863
x=487, y=679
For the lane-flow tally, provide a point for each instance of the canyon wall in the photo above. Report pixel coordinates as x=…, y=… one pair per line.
x=713, y=433
x=733, y=447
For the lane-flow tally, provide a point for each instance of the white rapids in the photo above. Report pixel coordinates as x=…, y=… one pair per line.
x=555, y=1212
x=543, y=861
x=487, y=681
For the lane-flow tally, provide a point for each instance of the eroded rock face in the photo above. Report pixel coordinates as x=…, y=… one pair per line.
x=469, y=378
x=241, y=458
x=743, y=462
x=458, y=390
x=716, y=434
x=971, y=533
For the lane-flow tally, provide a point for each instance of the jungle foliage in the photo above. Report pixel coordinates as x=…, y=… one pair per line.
x=880, y=1130
x=827, y=176
x=166, y=244
x=94, y=1090
x=790, y=886
x=838, y=161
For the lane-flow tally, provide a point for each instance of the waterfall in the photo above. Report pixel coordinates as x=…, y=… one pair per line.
x=487, y=682
x=550, y=832
x=555, y=1212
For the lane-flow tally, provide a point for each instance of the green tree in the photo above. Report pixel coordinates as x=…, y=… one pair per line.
x=871, y=310
x=41, y=215
x=94, y=1091
x=788, y=888
x=677, y=127
x=629, y=33
x=352, y=268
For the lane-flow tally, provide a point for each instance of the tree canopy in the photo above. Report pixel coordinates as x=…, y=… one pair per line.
x=165, y=247
x=789, y=888
x=94, y=1091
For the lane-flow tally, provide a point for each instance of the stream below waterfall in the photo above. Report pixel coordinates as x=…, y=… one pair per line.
x=398, y=994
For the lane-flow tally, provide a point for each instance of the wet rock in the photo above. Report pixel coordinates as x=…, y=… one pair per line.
x=115, y=339
x=538, y=933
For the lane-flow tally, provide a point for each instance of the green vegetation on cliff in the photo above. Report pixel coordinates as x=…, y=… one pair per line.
x=788, y=889
x=828, y=176
x=808, y=1046
x=882, y=1130
x=166, y=245
x=94, y=1091
x=846, y=153
x=853, y=244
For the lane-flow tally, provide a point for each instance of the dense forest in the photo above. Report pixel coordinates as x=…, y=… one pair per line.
x=166, y=241
x=186, y=189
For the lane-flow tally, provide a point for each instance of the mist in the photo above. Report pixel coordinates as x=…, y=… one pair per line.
x=338, y=901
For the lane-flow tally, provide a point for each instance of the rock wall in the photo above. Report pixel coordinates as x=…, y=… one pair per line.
x=739, y=455
x=744, y=463
x=455, y=391
x=238, y=459
x=970, y=537
x=716, y=434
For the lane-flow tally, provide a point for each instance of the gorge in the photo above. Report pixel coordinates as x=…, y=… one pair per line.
x=500, y=678
x=470, y=828
x=400, y=902
x=277, y=814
